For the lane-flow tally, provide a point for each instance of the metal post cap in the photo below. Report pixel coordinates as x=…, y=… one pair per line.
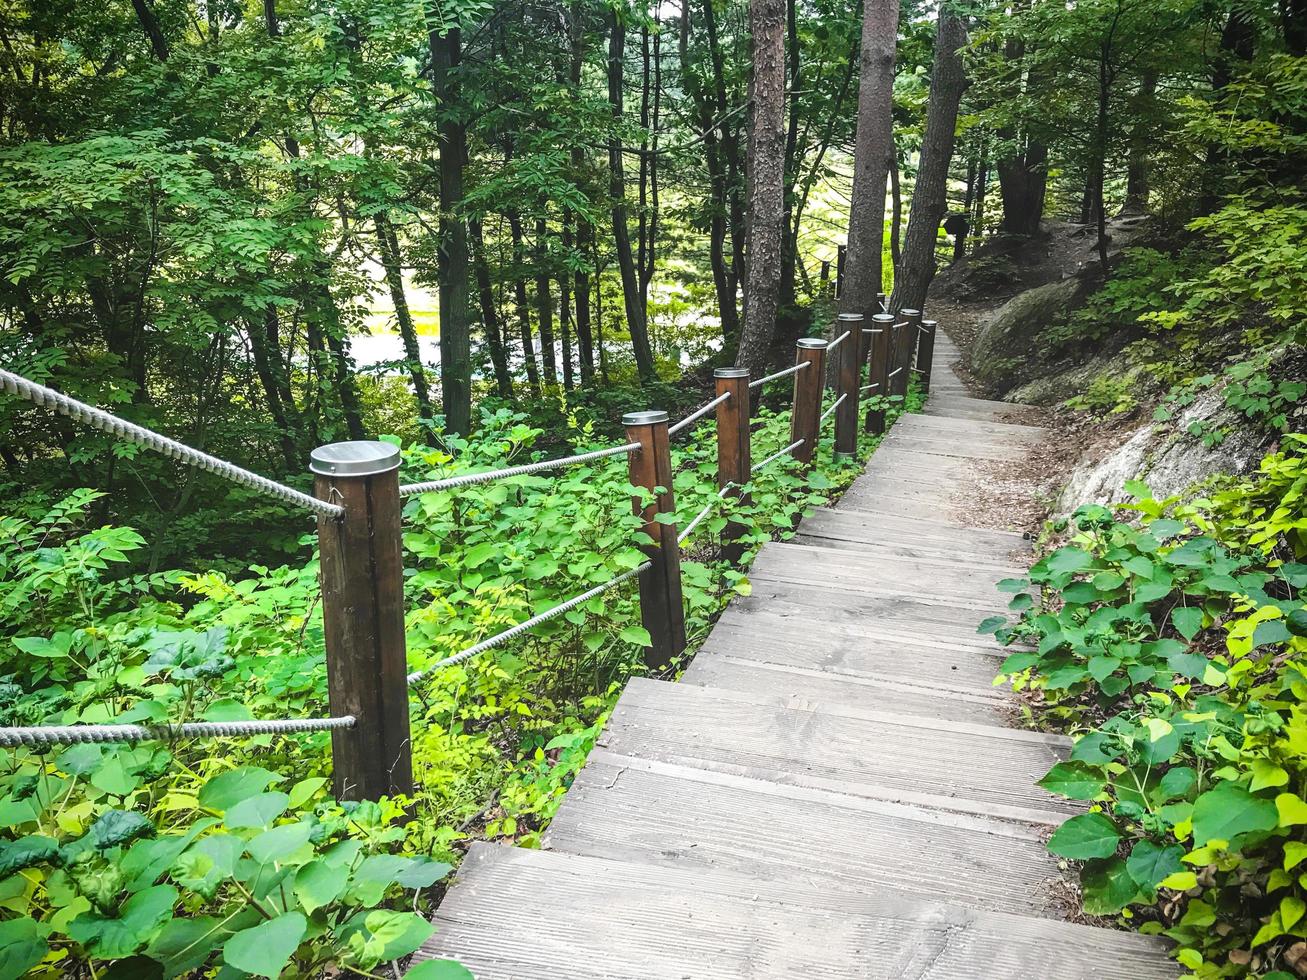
x=810, y=343
x=930, y=323
x=909, y=312
x=355, y=458
x=644, y=418
x=730, y=372
x=884, y=317
x=849, y=316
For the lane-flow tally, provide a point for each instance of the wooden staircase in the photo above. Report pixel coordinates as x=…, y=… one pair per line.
x=832, y=789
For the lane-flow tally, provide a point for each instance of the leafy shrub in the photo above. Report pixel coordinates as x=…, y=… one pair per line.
x=182, y=856
x=1171, y=646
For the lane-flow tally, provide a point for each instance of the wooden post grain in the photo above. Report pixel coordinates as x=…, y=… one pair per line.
x=850, y=370
x=362, y=572
x=878, y=371
x=661, y=606
x=926, y=352
x=911, y=320
x=805, y=416
x=733, y=451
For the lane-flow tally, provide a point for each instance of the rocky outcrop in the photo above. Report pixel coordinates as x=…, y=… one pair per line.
x=1004, y=354
x=1168, y=458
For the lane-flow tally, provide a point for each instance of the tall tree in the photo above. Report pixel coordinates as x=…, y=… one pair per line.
x=636, y=321
x=929, y=196
x=452, y=258
x=766, y=182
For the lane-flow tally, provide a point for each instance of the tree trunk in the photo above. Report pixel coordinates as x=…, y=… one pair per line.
x=1022, y=176
x=545, y=306
x=1137, y=184
x=452, y=257
x=565, y=307
x=635, y=313
x=873, y=153
x=766, y=182
x=714, y=159
x=896, y=211
x=982, y=184
x=912, y=277
x=489, y=314
x=392, y=266
x=523, y=305
x=790, y=221
x=584, y=230
x=730, y=144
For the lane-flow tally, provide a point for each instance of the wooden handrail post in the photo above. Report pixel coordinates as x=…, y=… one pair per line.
x=805, y=415
x=878, y=371
x=850, y=365
x=662, y=609
x=362, y=569
x=733, y=450
x=926, y=352
x=911, y=320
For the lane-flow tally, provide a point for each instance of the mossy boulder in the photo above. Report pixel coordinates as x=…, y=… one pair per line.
x=1004, y=355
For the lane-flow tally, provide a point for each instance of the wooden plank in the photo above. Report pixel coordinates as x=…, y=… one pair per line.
x=950, y=765
x=868, y=613
x=716, y=670
x=515, y=914
x=963, y=430
x=652, y=812
x=872, y=533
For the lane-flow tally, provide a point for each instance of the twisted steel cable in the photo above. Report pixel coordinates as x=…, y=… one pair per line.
x=99, y=419
x=775, y=456
x=795, y=369
x=695, y=416
x=699, y=517
x=526, y=624
x=837, y=341
x=831, y=411
x=75, y=734
x=468, y=479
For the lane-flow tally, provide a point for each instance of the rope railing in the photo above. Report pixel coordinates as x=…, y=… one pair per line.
x=872, y=330
x=776, y=455
x=834, y=405
x=894, y=372
x=837, y=341
x=695, y=416
x=103, y=421
x=41, y=735
x=525, y=625
x=700, y=517
x=794, y=369
x=874, y=384
x=468, y=479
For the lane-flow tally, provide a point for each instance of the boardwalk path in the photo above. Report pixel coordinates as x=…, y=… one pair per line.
x=832, y=789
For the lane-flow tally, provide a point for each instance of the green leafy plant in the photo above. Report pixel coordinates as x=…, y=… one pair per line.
x=1171, y=646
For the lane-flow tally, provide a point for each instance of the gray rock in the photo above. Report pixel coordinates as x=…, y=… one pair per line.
x=1166, y=457
x=1004, y=353
x=1056, y=385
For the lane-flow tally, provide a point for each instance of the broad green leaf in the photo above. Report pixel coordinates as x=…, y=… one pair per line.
x=319, y=884
x=1151, y=863
x=257, y=811
x=1074, y=780
x=279, y=843
x=230, y=788
x=115, y=827
x=439, y=970
x=265, y=949
x=1292, y=809
x=1107, y=887
x=142, y=916
x=1187, y=621
x=21, y=947
x=1089, y=835
x=1227, y=810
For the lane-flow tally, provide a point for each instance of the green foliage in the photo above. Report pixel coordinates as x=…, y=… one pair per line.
x=1172, y=646
x=179, y=857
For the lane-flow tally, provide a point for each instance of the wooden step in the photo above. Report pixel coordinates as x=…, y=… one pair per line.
x=710, y=669
x=860, y=751
x=873, y=533
x=517, y=914
x=976, y=409
x=969, y=430
x=663, y=813
x=968, y=663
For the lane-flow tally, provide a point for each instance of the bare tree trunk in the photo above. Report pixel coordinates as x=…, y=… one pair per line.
x=635, y=312
x=565, y=308
x=929, y=195
x=766, y=182
x=874, y=155
x=489, y=315
x=982, y=184
x=1137, y=184
x=584, y=230
x=392, y=265
x=545, y=305
x=452, y=257
x=523, y=305
x=896, y=211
